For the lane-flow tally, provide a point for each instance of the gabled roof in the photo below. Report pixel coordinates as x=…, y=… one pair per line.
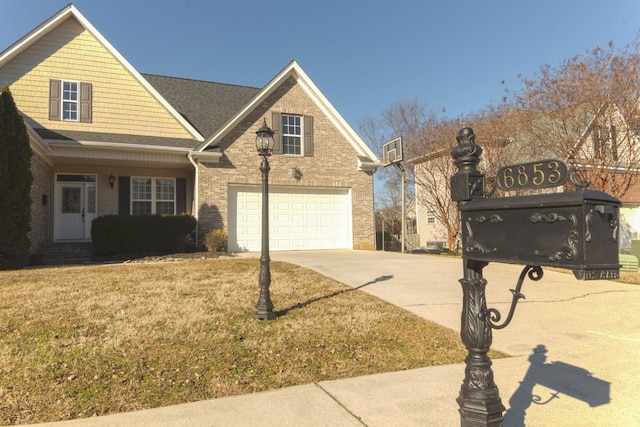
x=70, y=11
x=206, y=105
x=207, y=110
x=366, y=158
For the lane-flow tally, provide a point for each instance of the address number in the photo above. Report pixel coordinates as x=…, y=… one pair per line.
x=533, y=175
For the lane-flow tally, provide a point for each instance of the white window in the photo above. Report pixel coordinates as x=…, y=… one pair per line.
x=153, y=196
x=291, y=134
x=70, y=100
x=431, y=218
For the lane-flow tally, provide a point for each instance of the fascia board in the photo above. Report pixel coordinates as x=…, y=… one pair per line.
x=334, y=116
x=72, y=11
x=248, y=108
x=35, y=35
x=38, y=145
x=116, y=146
x=293, y=69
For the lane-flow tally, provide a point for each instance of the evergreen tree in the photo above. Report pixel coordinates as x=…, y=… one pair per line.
x=15, y=185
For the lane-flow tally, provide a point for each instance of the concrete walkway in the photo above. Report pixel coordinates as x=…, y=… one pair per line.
x=576, y=348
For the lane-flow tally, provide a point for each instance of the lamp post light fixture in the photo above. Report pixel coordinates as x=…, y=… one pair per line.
x=264, y=145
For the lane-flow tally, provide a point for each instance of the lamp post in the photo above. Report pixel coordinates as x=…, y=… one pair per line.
x=264, y=145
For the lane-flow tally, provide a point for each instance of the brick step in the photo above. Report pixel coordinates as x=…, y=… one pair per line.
x=66, y=253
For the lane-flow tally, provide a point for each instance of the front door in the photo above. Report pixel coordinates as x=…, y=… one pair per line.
x=75, y=206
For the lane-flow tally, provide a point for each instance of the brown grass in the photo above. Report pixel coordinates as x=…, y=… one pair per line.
x=93, y=340
x=630, y=278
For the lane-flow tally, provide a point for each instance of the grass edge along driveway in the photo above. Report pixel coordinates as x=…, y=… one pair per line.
x=94, y=340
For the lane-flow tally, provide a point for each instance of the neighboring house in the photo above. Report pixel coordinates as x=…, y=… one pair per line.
x=606, y=150
x=109, y=140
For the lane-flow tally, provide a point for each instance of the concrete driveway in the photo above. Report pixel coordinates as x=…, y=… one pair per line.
x=577, y=342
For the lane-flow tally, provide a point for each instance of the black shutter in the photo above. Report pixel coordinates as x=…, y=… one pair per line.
x=55, y=95
x=276, y=127
x=308, y=136
x=85, y=102
x=181, y=196
x=124, y=195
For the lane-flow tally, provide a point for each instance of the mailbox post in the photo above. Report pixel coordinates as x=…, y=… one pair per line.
x=576, y=230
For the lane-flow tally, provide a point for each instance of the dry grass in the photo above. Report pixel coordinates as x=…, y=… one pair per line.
x=630, y=278
x=93, y=340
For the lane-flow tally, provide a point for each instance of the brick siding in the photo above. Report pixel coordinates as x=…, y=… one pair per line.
x=333, y=165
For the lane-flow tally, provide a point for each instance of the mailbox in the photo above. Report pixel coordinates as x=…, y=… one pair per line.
x=575, y=230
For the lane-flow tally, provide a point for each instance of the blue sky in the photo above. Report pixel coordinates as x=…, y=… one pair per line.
x=364, y=55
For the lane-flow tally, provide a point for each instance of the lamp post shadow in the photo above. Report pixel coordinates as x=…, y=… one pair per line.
x=562, y=378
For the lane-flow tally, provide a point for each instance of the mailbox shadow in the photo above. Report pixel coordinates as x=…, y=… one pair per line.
x=562, y=378
x=334, y=294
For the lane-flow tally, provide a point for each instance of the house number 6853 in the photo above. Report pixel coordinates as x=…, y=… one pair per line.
x=540, y=174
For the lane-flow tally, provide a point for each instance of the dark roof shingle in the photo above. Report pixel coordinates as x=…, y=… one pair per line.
x=206, y=105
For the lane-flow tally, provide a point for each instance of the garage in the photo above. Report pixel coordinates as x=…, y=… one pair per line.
x=299, y=219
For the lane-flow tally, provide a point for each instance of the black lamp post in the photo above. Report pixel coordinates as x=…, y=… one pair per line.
x=264, y=145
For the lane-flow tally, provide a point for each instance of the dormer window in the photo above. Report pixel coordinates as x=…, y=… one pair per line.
x=70, y=101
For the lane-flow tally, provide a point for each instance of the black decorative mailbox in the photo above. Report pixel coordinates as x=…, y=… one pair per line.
x=577, y=230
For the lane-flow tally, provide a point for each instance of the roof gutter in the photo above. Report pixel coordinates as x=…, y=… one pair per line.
x=369, y=166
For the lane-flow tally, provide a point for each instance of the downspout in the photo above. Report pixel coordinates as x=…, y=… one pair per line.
x=196, y=194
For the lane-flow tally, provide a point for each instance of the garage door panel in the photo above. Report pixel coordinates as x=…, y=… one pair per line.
x=298, y=219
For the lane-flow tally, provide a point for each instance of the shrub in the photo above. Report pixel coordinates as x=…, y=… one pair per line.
x=117, y=235
x=15, y=185
x=215, y=241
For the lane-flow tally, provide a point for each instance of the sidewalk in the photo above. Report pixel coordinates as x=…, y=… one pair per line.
x=576, y=347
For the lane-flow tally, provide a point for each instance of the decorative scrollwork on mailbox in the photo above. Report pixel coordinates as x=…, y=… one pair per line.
x=565, y=251
x=548, y=218
x=473, y=246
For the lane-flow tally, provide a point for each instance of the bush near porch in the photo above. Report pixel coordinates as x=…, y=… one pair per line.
x=117, y=234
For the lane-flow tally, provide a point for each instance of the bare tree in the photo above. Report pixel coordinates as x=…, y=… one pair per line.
x=405, y=119
x=433, y=169
x=586, y=112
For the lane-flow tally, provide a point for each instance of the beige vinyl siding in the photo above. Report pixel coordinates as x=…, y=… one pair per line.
x=120, y=103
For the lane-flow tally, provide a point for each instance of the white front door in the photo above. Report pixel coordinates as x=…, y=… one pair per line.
x=75, y=206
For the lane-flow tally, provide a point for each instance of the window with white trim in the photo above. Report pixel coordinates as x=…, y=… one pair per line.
x=69, y=100
x=431, y=218
x=153, y=196
x=291, y=134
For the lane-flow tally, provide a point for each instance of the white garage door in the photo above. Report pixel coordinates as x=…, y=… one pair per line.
x=298, y=219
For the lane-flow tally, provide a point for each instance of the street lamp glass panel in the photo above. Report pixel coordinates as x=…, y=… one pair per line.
x=264, y=139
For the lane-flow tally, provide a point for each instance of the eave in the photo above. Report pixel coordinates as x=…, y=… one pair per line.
x=113, y=154
x=70, y=11
x=294, y=70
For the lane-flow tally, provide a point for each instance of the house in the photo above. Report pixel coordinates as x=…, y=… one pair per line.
x=109, y=140
x=605, y=151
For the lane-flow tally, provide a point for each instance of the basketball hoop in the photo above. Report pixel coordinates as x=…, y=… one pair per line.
x=392, y=152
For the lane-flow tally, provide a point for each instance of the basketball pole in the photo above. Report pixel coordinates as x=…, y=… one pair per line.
x=392, y=153
x=403, y=210
x=403, y=213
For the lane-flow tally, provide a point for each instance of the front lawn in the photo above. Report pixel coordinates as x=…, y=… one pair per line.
x=93, y=340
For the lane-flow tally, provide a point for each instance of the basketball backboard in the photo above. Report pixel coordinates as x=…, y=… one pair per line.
x=392, y=151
